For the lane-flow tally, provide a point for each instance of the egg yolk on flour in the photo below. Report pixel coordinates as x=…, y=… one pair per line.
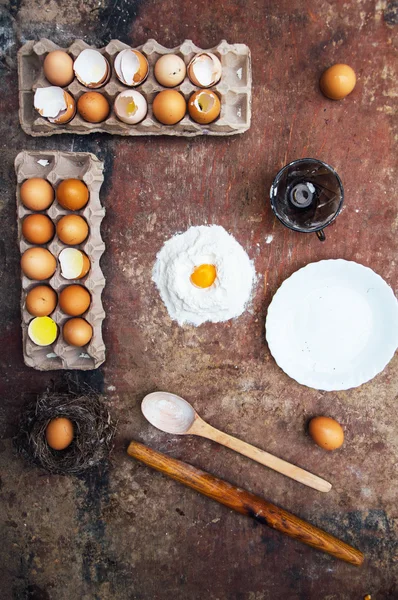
x=204, y=276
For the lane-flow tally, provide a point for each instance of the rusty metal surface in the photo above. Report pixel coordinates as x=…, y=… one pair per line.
x=130, y=533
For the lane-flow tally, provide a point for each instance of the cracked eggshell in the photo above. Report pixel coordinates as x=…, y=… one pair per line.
x=204, y=70
x=91, y=68
x=74, y=263
x=170, y=70
x=50, y=101
x=130, y=107
x=204, y=106
x=131, y=67
x=66, y=115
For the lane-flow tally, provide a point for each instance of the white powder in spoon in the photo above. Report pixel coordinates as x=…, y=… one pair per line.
x=226, y=298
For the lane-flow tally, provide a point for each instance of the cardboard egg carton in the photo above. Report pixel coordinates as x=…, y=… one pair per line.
x=234, y=90
x=65, y=165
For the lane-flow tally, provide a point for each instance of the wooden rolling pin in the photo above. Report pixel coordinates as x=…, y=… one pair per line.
x=245, y=503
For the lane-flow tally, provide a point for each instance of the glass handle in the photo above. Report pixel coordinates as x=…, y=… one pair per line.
x=321, y=235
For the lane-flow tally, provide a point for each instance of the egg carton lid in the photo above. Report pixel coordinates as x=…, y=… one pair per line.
x=234, y=90
x=56, y=166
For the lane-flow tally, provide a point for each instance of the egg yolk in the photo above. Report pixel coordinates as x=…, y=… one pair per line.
x=131, y=108
x=43, y=331
x=204, y=276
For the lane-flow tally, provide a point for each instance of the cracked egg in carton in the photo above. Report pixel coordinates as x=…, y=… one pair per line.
x=233, y=90
x=54, y=167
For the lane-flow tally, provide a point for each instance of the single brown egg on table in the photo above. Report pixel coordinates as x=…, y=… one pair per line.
x=204, y=106
x=77, y=332
x=93, y=107
x=337, y=81
x=38, y=263
x=72, y=229
x=36, y=194
x=326, y=432
x=38, y=229
x=72, y=194
x=74, y=300
x=59, y=433
x=41, y=301
x=169, y=107
x=58, y=68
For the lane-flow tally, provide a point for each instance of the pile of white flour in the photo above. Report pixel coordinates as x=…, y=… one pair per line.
x=175, y=262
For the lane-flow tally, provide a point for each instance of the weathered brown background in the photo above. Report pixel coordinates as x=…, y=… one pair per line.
x=130, y=533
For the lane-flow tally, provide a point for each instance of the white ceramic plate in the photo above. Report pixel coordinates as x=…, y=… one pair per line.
x=333, y=325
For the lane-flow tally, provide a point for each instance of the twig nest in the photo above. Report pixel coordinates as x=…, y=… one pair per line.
x=90, y=428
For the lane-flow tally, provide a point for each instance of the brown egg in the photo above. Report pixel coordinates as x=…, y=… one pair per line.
x=77, y=332
x=93, y=107
x=41, y=301
x=58, y=68
x=36, y=194
x=72, y=230
x=59, y=433
x=38, y=229
x=72, y=194
x=204, y=106
x=326, y=432
x=38, y=263
x=169, y=107
x=338, y=81
x=69, y=113
x=170, y=70
x=74, y=300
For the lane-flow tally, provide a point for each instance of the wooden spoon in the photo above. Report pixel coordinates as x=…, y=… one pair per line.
x=173, y=414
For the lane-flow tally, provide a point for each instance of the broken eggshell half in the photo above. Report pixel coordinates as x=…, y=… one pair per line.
x=204, y=70
x=55, y=104
x=204, y=106
x=74, y=263
x=131, y=67
x=131, y=107
x=91, y=68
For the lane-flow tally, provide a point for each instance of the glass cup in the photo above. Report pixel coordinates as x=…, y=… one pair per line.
x=307, y=195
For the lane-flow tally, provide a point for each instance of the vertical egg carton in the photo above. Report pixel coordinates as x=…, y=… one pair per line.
x=65, y=165
x=233, y=89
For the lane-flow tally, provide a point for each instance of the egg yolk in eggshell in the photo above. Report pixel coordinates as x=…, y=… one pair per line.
x=204, y=276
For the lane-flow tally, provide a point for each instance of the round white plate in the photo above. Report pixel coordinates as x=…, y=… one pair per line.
x=333, y=325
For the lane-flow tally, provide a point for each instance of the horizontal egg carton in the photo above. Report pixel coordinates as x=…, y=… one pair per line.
x=65, y=165
x=233, y=89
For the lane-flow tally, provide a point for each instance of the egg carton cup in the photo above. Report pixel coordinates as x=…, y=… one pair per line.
x=233, y=89
x=88, y=168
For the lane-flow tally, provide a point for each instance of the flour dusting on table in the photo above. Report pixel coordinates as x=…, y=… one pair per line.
x=226, y=298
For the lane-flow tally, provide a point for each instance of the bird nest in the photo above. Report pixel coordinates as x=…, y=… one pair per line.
x=93, y=432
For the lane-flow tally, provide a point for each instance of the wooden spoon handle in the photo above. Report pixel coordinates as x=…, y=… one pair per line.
x=203, y=429
x=246, y=503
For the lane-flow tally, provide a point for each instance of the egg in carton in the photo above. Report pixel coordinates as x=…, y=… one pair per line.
x=233, y=89
x=54, y=167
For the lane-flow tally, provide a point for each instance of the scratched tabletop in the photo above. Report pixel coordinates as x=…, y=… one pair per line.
x=128, y=532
